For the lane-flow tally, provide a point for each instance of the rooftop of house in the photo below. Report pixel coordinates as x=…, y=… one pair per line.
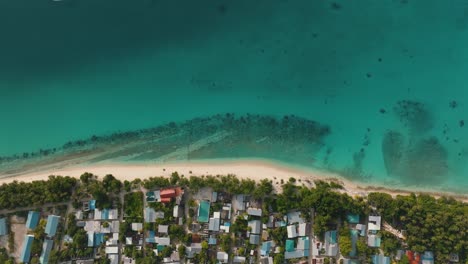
x=33, y=219
x=52, y=224
x=3, y=227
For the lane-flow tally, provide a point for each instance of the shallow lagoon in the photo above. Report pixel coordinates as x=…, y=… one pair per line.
x=386, y=76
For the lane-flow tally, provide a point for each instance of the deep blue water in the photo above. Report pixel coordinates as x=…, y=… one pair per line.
x=76, y=68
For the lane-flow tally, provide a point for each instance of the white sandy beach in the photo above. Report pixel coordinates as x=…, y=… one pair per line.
x=247, y=169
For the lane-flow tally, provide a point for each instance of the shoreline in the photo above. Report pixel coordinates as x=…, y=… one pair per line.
x=255, y=169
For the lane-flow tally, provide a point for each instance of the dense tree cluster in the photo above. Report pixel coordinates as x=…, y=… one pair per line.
x=21, y=194
x=439, y=225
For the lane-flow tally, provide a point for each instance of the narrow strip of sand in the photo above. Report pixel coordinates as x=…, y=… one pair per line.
x=244, y=169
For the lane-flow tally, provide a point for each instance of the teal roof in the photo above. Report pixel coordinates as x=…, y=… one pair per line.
x=33, y=220
x=265, y=250
x=52, y=224
x=3, y=227
x=353, y=218
x=26, y=251
x=330, y=236
x=289, y=245
x=46, y=248
x=204, y=212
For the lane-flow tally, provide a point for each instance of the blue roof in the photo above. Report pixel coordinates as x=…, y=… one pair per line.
x=52, y=224
x=33, y=220
x=46, y=248
x=98, y=239
x=92, y=204
x=3, y=227
x=105, y=214
x=265, y=250
x=353, y=218
x=354, y=237
x=380, y=259
x=26, y=251
x=211, y=241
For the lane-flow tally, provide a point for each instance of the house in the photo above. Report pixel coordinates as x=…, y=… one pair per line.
x=150, y=197
x=226, y=211
x=163, y=241
x=380, y=259
x=266, y=260
x=302, y=249
x=46, y=248
x=225, y=227
x=331, y=245
x=303, y=229
x=374, y=223
x=163, y=229
x=254, y=211
x=212, y=240
x=3, y=227
x=52, y=224
x=238, y=202
x=295, y=217
x=427, y=257
x=373, y=240
x=255, y=226
x=195, y=248
x=113, y=258
x=361, y=229
x=112, y=250
x=90, y=239
x=137, y=227
x=150, y=215
x=79, y=215
x=266, y=248
x=203, y=211
x=114, y=240
x=222, y=257
x=151, y=237
x=238, y=259
x=214, y=224
x=176, y=212
x=254, y=239
x=353, y=218
x=26, y=250
x=92, y=205
x=292, y=231
x=33, y=219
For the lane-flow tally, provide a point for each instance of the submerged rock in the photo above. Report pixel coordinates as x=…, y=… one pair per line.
x=393, y=146
x=414, y=115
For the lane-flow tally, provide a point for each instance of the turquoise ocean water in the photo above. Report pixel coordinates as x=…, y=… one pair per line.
x=75, y=68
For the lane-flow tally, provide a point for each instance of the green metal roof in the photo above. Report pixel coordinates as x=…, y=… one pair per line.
x=204, y=212
x=289, y=245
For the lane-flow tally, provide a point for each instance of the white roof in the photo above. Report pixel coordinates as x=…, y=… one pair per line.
x=113, y=214
x=175, y=212
x=137, y=226
x=213, y=224
x=217, y=215
x=165, y=241
x=255, y=226
x=302, y=229
x=374, y=222
x=128, y=241
x=112, y=250
x=222, y=256
x=163, y=229
x=292, y=232
x=238, y=259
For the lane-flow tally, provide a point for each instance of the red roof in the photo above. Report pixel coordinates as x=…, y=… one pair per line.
x=168, y=193
x=165, y=200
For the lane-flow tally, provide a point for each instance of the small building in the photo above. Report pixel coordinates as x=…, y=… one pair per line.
x=303, y=229
x=380, y=259
x=137, y=227
x=266, y=248
x=214, y=224
x=238, y=202
x=26, y=250
x=33, y=220
x=295, y=217
x=92, y=205
x=374, y=223
x=254, y=211
x=176, y=212
x=163, y=229
x=112, y=250
x=373, y=240
x=331, y=245
x=238, y=259
x=52, y=224
x=193, y=249
x=302, y=249
x=79, y=215
x=361, y=229
x=46, y=248
x=222, y=257
x=427, y=257
x=203, y=211
x=254, y=239
x=3, y=227
x=292, y=231
x=255, y=226
x=163, y=241
x=267, y=260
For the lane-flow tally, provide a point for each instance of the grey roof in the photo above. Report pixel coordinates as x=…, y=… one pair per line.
x=238, y=202
x=46, y=248
x=194, y=248
x=254, y=239
x=214, y=224
x=255, y=226
x=254, y=211
x=3, y=227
